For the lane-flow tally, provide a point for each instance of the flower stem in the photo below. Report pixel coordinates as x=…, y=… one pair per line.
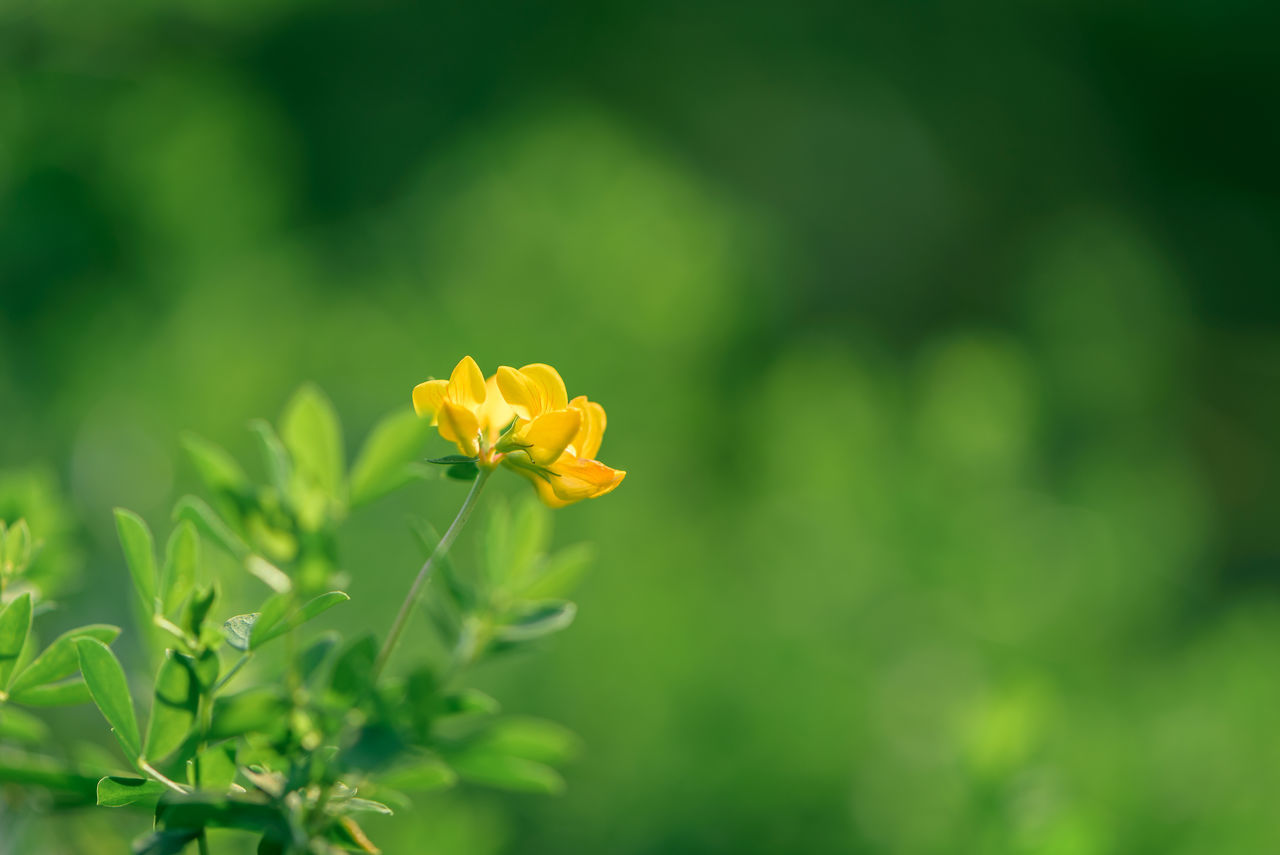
x=411, y=599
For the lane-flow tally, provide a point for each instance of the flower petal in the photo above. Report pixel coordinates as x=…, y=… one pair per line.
x=495, y=413
x=520, y=392
x=577, y=478
x=548, y=380
x=427, y=398
x=459, y=425
x=590, y=433
x=545, y=438
x=466, y=384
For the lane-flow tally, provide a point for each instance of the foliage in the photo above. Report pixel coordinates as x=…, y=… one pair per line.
x=320, y=738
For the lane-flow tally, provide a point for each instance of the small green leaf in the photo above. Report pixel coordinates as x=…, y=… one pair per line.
x=237, y=629
x=110, y=691
x=279, y=467
x=273, y=611
x=357, y=805
x=452, y=459
x=139, y=554
x=217, y=768
x=316, y=655
x=430, y=773
x=115, y=791
x=385, y=461
x=60, y=659
x=353, y=668
x=207, y=521
x=18, y=726
x=15, y=626
x=313, y=436
x=217, y=469
x=506, y=772
x=262, y=709
x=197, y=610
x=182, y=557
x=561, y=573
x=537, y=620
x=164, y=842
x=69, y=693
x=530, y=738
x=173, y=712
x=470, y=702
x=463, y=472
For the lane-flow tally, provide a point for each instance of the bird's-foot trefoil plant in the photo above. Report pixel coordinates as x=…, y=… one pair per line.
x=253, y=723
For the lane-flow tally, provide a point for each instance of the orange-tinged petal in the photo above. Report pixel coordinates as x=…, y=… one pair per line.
x=466, y=384
x=495, y=413
x=590, y=433
x=577, y=478
x=545, y=438
x=542, y=485
x=520, y=392
x=459, y=425
x=548, y=380
x=427, y=398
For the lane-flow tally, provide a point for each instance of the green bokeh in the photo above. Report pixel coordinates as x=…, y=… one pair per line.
x=941, y=346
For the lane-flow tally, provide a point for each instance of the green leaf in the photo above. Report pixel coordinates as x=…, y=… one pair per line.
x=211, y=525
x=560, y=574
x=385, y=461
x=198, y=810
x=217, y=768
x=469, y=702
x=358, y=805
x=262, y=709
x=452, y=459
x=256, y=629
x=173, y=712
x=181, y=558
x=313, y=435
x=19, y=767
x=164, y=842
x=66, y=694
x=425, y=775
x=217, y=469
x=353, y=669
x=18, y=726
x=463, y=472
x=110, y=691
x=197, y=610
x=537, y=620
x=273, y=611
x=15, y=626
x=530, y=738
x=279, y=467
x=506, y=772
x=237, y=629
x=60, y=659
x=316, y=655
x=116, y=791
x=139, y=554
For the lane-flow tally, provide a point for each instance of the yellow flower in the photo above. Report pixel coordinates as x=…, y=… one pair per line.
x=468, y=410
x=551, y=440
x=554, y=441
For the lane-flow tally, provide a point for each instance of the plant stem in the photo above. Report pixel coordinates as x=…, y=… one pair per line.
x=226, y=678
x=411, y=599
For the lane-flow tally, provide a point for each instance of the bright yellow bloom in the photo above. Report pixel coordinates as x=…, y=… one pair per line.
x=560, y=437
x=552, y=440
x=468, y=410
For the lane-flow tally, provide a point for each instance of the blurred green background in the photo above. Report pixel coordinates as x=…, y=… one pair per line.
x=941, y=343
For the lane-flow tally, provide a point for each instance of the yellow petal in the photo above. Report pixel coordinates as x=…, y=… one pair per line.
x=520, y=392
x=466, y=384
x=459, y=425
x=542, y=484
x=427, y=398
x=577, y=478
x=587, y=441
x=545, y=437
x=548, y=380
x=495, y=413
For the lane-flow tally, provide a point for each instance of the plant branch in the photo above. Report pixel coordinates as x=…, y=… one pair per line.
x=411, y=599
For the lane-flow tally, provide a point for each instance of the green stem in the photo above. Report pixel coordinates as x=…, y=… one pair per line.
x=226, y=678
x=411, y=599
